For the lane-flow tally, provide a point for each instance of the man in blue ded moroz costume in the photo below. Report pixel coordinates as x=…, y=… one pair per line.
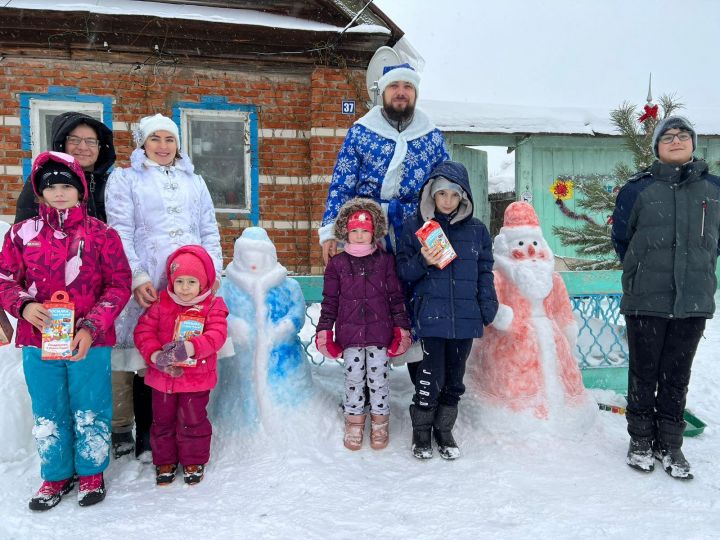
x=386, y=156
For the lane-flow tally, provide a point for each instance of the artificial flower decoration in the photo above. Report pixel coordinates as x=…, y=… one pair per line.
x=562, y=189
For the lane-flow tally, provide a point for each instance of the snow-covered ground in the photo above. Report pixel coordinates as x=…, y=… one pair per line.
x=302, y=483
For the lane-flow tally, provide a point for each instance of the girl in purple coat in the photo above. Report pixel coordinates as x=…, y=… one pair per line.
x=64, y=249
x=363, y=299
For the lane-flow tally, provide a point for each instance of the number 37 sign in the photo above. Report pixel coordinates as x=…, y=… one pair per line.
x=348, y=107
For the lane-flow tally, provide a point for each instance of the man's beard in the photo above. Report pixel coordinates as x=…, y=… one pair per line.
x=533, y=278
x=400, y=116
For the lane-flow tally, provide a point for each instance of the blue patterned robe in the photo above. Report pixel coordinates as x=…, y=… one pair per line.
x=378, y=162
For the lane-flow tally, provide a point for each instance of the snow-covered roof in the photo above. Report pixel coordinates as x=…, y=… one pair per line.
x=190, y=12
x=451, y=116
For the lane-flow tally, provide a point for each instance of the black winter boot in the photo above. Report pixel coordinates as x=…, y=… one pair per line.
x=445, y=417
x=674, y=463
x=122, y=443
x=667, y=449
x=640, y=454
x=422, y=420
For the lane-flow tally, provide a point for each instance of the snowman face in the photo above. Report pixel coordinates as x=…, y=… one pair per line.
x=256, y=261
x=528, y=247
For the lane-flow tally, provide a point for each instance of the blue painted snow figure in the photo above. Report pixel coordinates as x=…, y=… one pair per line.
x=268, y=371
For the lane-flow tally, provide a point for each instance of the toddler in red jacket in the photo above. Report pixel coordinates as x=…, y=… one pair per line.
x=179, y=337
x=363, y=299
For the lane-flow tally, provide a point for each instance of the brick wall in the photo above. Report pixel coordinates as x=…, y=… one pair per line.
x=300, y=129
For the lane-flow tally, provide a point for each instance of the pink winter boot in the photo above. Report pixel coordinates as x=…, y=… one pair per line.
x=354, y=428
x=379, y=431
x=92, y=489
x=50, y=493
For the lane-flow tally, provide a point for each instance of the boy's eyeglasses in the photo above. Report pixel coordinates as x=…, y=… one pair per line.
x=75, y=141
x=669, y=137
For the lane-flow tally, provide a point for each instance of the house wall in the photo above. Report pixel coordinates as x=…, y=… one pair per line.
x=540, y=159
x=300, y=127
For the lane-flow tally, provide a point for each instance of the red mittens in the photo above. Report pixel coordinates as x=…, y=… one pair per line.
x=326, y=345
x=400, y=343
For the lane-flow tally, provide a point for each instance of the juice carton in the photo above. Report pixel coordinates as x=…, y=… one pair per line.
x=6, y=329
x=188, y=325
x=58, y=334
x=430, y=235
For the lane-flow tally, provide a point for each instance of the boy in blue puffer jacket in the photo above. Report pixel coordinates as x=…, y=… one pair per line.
x=450, y=306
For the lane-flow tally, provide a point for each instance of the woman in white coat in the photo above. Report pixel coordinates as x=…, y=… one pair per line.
x=156, y=205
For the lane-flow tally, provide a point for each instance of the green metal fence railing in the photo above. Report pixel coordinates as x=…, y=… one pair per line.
x=595, y=298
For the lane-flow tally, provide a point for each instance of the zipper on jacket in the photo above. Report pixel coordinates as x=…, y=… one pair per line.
x=452, y=290
x=702, y=223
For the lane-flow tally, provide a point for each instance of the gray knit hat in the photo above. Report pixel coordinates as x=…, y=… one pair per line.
x=440, y=183
x=673, y=122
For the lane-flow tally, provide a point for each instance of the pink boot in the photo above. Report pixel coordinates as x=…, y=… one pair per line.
x=92, y=489
x=354, y=428
x=50, y=493
x=379, y=431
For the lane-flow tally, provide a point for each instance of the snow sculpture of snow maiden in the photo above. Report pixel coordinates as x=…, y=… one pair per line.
x=524, y=369
x=268, y=374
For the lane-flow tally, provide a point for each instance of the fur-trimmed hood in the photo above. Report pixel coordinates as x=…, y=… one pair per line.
x=380, y=227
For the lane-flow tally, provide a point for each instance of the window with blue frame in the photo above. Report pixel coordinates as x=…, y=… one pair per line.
x=37, y=112
x=42, y=114
x=221, y=141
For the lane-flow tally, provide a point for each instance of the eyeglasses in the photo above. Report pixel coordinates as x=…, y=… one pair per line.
x=669, y=137
x=75, y=141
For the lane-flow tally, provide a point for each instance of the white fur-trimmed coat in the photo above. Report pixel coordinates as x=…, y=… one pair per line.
x=155, y=210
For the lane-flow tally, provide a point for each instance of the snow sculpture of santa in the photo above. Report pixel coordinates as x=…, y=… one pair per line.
x=524, y=365
x=268, y=373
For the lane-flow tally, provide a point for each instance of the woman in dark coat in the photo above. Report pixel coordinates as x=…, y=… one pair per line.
x=90, y=142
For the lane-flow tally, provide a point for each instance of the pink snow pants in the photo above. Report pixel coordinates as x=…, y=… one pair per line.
x=180, y=431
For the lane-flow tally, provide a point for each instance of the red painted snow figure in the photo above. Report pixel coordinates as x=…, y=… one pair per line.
x=524, y=365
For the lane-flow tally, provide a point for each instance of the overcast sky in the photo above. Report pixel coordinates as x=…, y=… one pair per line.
x=587, y=53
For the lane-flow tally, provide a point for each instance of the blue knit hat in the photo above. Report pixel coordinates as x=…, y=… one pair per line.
x=401, y=72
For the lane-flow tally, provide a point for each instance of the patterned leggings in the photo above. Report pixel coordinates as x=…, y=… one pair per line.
x=366, y=364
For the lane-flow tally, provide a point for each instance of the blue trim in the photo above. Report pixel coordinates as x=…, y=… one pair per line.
x=55, y=93
x=219, y=103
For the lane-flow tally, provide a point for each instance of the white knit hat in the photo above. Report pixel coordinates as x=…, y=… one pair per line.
x=401, y=72
x=151, y=124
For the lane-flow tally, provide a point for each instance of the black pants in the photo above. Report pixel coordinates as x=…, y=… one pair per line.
x=142, y=404
x=412, y=368
x=661, y=356
x=439, y=377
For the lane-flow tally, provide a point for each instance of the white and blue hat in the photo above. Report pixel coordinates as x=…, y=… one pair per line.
x=401, y=72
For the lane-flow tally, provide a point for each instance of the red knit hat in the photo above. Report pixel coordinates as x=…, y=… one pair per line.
x=187, y=264
x=360, y=220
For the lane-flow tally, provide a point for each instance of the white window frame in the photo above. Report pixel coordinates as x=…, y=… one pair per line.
x=186, y=114
x=38, y=106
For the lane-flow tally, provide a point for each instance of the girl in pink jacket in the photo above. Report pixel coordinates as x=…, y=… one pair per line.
x=179, y=337
x=64, y=249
